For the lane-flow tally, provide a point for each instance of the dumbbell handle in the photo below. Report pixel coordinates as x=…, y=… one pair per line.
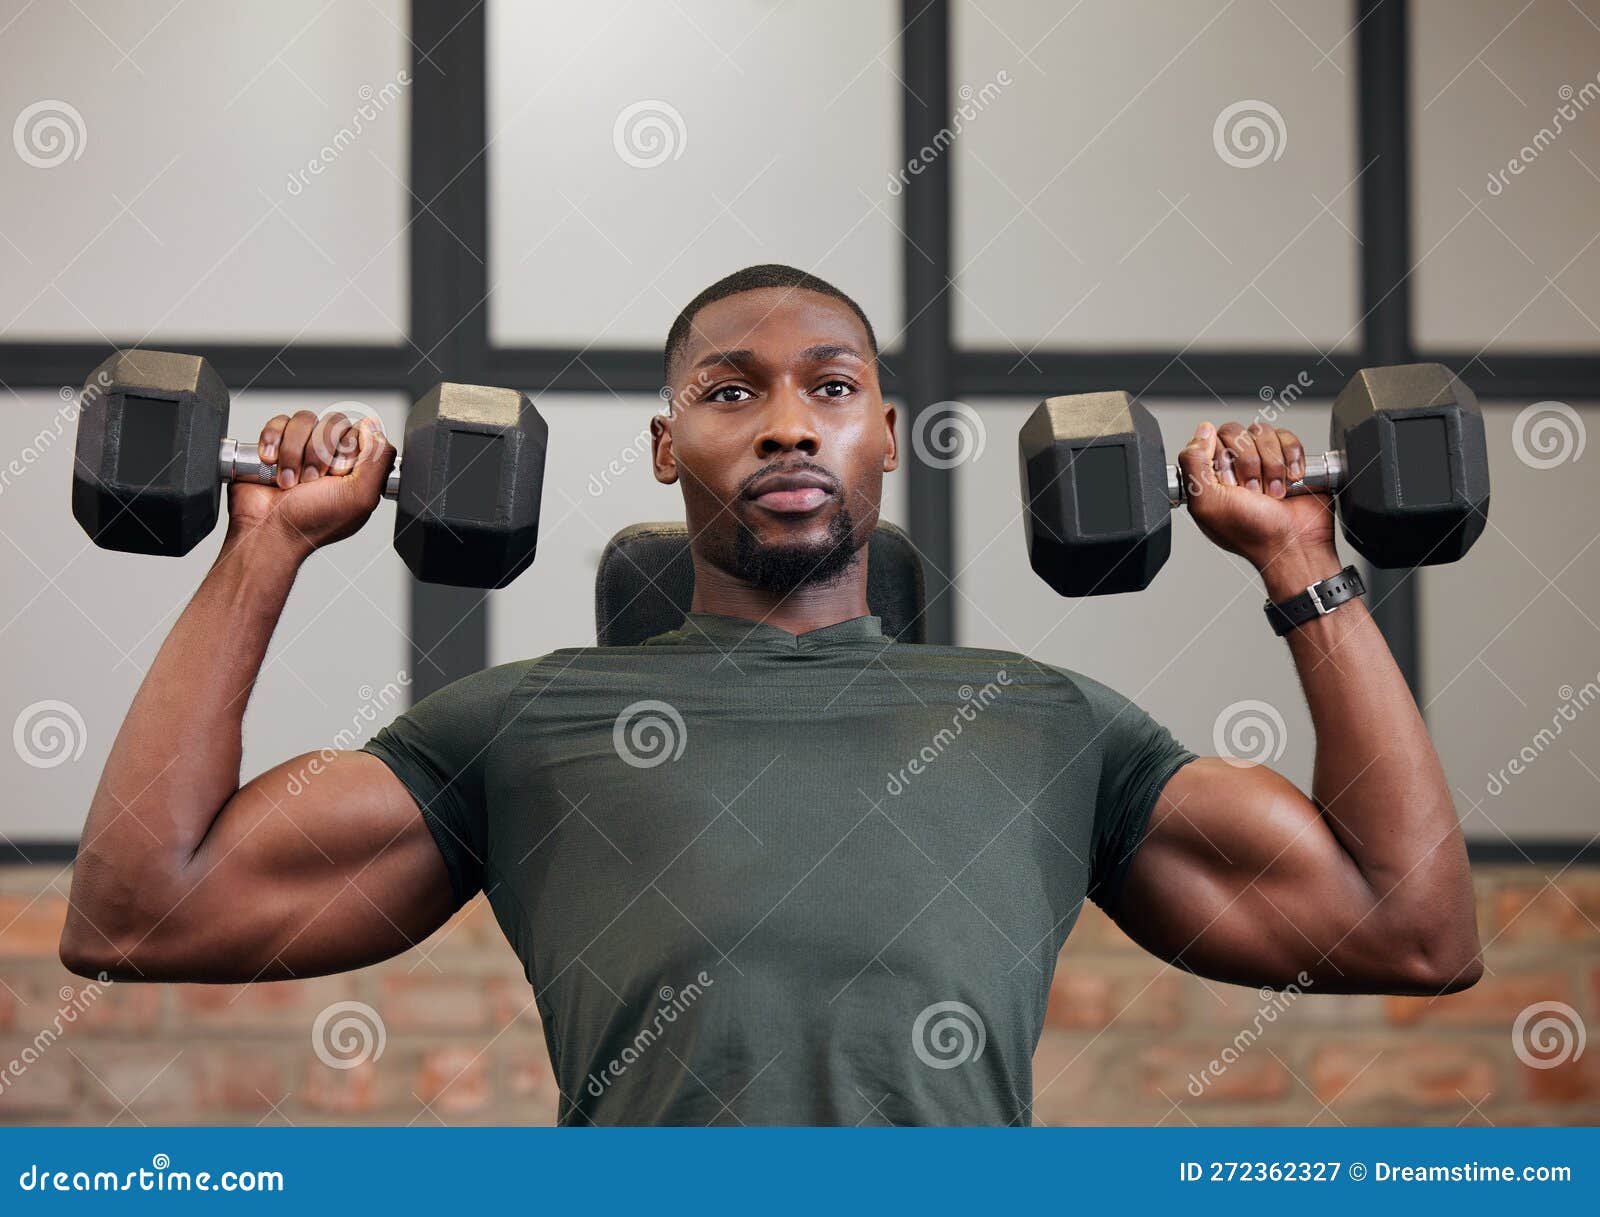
x=1324, y=473
x=240, y=461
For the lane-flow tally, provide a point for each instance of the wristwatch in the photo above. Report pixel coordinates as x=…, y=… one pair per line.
x=1318, y=600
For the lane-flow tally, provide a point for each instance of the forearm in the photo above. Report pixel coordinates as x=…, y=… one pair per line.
x=175, y=761
x=1377, y=782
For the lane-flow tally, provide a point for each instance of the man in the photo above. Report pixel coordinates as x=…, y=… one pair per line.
x=733, y=899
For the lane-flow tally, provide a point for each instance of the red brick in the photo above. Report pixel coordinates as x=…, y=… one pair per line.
x=237, y=1079
x=31, y=926
x=43, y=1086
x=8, y=1005
x=1083, y=997
x=1575, y=1080
x=1553, y=1064
x=155, y=1081
x=525, y=1077
x=342, y=1092
x=1495, y=1001
x=1233, y=1007
x=511, y=1001
x=1066, y=1072
x=1410, y=1072
x=90, y=1006
x=424, y=1000
x=1572, y=1081
x=1095, y=931
x=290, y=1005
x=1566, y=911
x=474, y=925
x=1177, y=1071
x=452, y=1080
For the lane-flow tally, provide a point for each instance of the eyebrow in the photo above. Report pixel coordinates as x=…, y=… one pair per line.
x=825, y=351
x=743, y=358
x=740, y=358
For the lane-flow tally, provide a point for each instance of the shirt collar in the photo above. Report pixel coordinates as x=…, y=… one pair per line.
x=710, y=629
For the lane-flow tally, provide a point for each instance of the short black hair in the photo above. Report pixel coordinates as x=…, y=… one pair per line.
x=750, y=279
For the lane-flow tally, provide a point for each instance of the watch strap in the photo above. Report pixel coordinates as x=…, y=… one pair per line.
x=1318, y=600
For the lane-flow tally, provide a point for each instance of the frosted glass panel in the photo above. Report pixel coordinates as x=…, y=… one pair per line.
x=79, y=626
x=640, y=152
x=216, y=171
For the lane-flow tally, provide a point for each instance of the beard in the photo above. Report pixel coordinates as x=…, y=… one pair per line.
x=786, y=566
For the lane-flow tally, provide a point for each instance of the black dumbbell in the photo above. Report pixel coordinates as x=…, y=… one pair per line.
x=1409, y=469
x=152, y=457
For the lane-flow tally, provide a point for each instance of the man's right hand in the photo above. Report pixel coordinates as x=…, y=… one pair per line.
x=331, y=474
x=184, y=875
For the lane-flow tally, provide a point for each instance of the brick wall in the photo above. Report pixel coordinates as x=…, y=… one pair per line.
x=1128, y=1040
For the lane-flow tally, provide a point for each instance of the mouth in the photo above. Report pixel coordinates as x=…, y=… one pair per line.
x=791, y=493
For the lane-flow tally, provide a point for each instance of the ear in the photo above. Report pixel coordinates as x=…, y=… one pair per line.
x=664, y=462
x=891, y=452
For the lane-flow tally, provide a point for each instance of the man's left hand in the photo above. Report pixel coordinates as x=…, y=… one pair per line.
x=1235, y=478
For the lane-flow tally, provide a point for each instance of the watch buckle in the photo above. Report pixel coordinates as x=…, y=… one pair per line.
x=1316, y=601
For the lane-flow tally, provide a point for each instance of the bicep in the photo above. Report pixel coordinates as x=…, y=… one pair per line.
x=315, y=866
x=1239, y=878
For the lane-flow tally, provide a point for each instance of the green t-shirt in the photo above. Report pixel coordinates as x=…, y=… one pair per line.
x=762, y=878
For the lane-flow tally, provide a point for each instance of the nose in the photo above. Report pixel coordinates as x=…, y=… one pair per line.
x=787, y=425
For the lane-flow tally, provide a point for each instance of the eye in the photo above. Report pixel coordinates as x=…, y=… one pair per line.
x=836, y=388
x=723, y=394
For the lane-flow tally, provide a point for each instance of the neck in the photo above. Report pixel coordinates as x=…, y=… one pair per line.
x=799, y=611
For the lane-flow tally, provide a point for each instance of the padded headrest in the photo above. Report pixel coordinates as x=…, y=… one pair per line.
x=645, y=584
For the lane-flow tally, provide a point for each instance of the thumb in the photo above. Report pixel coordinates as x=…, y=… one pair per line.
x=1197, y=463
x=374, y=458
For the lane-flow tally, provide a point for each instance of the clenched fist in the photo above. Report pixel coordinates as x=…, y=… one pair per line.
x=331, y=474
x=1235, y=480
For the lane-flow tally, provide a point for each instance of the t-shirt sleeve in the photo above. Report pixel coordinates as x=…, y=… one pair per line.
x=1137, y=758
x=439, y=749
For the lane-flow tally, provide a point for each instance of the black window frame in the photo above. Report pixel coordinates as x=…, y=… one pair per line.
x=448, y=329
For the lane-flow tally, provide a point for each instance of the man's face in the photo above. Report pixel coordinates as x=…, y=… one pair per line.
x=779, y=436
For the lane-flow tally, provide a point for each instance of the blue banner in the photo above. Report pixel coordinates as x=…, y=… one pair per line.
x=816, y=1171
